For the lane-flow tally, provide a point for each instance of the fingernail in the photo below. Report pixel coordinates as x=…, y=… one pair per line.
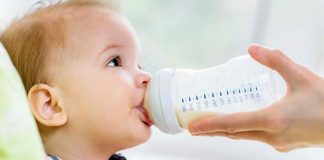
x=195, y=134
x=255, y=48
x=194, y=130
x=199, y=134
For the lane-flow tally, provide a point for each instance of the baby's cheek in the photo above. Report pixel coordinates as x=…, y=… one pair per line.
x=126, y=77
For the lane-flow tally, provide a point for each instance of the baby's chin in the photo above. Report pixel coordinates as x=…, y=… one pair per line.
x=139, y=131
x=144, y=139
x=146, y=133
x=141, y=136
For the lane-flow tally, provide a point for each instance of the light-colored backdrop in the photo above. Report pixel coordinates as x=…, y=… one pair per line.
x=198, y=34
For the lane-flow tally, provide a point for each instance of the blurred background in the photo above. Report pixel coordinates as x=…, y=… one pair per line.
x=200, y=34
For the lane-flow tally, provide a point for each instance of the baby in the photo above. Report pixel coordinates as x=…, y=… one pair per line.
x=78, y=61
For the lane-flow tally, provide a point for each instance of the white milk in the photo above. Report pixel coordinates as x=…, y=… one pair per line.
x=176, y=97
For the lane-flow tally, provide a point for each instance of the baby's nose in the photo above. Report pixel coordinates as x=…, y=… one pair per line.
x=143, y=78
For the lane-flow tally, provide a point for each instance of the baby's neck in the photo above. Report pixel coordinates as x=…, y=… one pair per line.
x=72, y=147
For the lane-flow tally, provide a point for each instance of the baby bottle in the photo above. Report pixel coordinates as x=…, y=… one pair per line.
x=176, y=97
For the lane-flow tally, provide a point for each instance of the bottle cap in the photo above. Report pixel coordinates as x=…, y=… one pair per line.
x=161, y=99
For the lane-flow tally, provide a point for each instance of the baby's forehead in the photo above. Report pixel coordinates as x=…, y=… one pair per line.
x=89, y=29
x=84, y=23
x=85, y=14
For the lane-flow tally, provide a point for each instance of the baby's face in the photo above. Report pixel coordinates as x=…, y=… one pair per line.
x=101, y=86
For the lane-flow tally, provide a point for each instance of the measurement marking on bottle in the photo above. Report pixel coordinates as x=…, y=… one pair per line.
x=241, y=98
x=206, y=104
x=228, y=100
x=191, y=107
x=220, y=98
x=235, y=99
x=222, y=102
x=198, y=105
x=252, y=96
x=214, y=103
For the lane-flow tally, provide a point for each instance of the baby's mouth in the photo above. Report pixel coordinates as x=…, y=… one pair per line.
x=145, y=118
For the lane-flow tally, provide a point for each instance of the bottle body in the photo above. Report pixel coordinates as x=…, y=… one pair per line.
x=184, y=95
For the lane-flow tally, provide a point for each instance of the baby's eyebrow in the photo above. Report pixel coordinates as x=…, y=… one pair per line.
x=111, y=46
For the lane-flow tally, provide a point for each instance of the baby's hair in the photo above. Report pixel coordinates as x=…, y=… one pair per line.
x=35, y=42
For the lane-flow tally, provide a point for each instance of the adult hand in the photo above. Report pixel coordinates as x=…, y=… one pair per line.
x=295, y=121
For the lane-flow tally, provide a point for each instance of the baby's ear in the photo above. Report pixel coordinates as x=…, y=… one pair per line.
x=46, y=107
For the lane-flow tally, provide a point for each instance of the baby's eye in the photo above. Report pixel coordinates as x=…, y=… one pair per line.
x=116, y=62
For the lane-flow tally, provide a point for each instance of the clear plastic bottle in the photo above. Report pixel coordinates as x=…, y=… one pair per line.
x=176, y=97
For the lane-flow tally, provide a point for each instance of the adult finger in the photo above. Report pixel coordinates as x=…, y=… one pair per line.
x=259, y=136
x=276, y=60
x=231, y=123
x=247, y=135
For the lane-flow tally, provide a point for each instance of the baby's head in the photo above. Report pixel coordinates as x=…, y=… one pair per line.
x=79, y=62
